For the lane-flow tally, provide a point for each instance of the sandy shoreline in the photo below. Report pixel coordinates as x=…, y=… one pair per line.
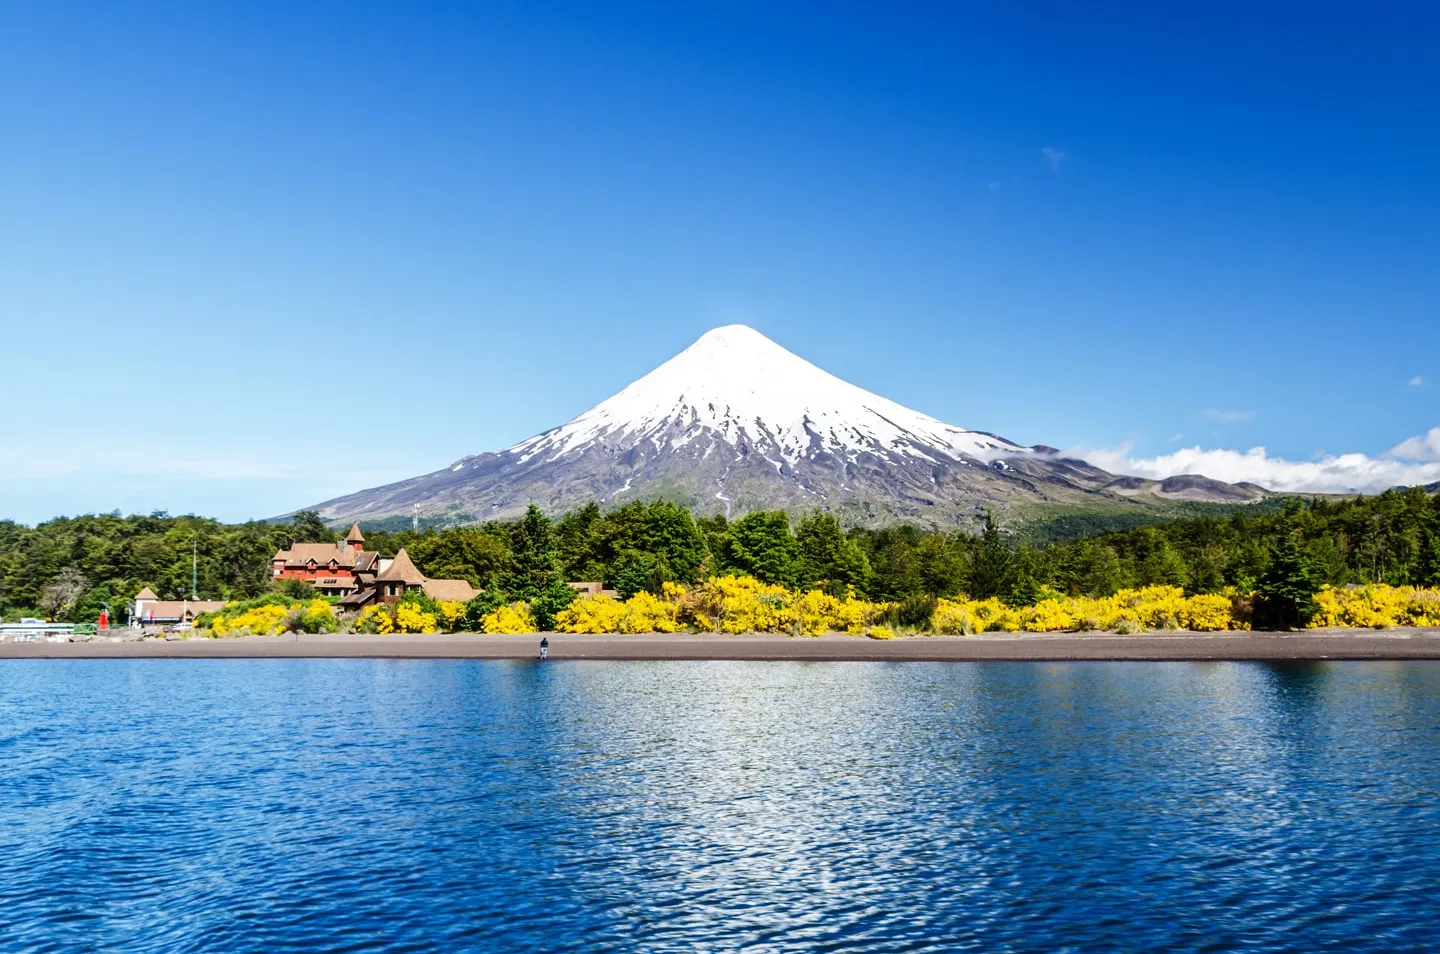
x=1397, y=643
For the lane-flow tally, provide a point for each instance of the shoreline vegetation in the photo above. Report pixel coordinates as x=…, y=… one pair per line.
x=738, y=605
x=1302, y=647
x=1369, y=562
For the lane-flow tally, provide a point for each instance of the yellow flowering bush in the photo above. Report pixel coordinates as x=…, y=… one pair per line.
x=645, y=613
x=742, y=604
x=452, y=614
x=1423, y=608
x=952, y=618
x=727, y=604
x=272, y=618
x=591, y=614
x=260, y=620
x=376, y=615
x=511, y=619
x=641, y=613
x=1151, y=607
x=1376, y=605
x=997, y=617
x=815, y=610
x=409, y=618
x=881, y=632
x=1209, y=612
x=1049, y=616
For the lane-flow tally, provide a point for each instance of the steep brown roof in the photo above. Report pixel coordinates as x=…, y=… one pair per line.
x=403, y=569
x=458, y=590
x=355, y=536
x=146, y=594
x=300, y=554
x=357, y=597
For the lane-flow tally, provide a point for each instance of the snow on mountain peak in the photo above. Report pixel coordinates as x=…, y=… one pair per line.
x=736, y=386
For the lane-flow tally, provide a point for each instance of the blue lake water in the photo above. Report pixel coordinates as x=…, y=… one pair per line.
x=388, y=805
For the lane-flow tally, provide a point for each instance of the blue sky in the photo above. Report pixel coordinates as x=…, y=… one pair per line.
x=254, y=255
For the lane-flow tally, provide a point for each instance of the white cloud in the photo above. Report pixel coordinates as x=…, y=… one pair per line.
x=1176, y=436
x=1418, y=381
x=1424, y=447
x=1342, y=473
x=1229, y=417
x=1053, y=156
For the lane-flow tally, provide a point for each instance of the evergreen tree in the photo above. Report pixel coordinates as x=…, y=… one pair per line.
x=1427, y=566
x=556, y=595
x=895, y=563
x=831, y=561
x=534, y=564
x=942, y=564
x=637, y=571
x=1285, y=597
x=307, y=527
x=990, y=565
x=1157, y=562
x=760, y=544
x=1020, y=585
x=576, y=544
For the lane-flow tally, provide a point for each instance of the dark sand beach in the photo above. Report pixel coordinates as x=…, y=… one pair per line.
x=1399, y=643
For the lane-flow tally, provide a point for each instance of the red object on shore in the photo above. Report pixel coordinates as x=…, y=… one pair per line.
x=104, y=619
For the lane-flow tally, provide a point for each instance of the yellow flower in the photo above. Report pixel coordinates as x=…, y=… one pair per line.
x=452, y=613
x=411, y=619
x=514, y=618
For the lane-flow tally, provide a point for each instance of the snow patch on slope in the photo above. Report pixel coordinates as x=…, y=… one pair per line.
x=753, y=394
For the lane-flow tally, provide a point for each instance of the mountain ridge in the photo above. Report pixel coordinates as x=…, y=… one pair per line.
x=735, y=423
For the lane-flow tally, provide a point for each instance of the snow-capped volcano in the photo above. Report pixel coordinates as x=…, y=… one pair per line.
x=735, y=423
x=735, y=388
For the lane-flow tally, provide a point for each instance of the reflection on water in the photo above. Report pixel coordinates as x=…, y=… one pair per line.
x=296, y=805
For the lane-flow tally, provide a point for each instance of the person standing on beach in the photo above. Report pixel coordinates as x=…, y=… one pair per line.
x=544, y=646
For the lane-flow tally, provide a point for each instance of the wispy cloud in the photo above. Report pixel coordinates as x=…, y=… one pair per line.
x=1176, y=436
x=1424, y=447
x=1410, y=463
x=994, y=185
x=1418, y=381
x=1342, y=473
x=1228, y=417
x=1053, y=156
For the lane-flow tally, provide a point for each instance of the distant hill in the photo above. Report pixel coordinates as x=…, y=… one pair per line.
x=737, y=423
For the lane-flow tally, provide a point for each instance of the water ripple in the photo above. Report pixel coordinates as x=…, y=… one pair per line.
x=399, y=806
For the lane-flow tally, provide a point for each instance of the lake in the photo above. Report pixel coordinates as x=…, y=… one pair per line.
x=393, y=805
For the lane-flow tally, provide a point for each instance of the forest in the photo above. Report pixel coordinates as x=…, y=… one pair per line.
x=70, y=567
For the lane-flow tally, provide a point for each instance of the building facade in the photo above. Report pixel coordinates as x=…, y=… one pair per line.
x=334, y=570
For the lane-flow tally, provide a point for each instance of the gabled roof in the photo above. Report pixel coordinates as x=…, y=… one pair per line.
x=458, y=590
x=355, y=536
x=403, y=569
x=146, y=594
x=322, y=553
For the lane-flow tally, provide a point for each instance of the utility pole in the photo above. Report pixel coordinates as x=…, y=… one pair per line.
x=194, y=569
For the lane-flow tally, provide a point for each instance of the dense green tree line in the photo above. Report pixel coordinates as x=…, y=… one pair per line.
x=70, y=566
